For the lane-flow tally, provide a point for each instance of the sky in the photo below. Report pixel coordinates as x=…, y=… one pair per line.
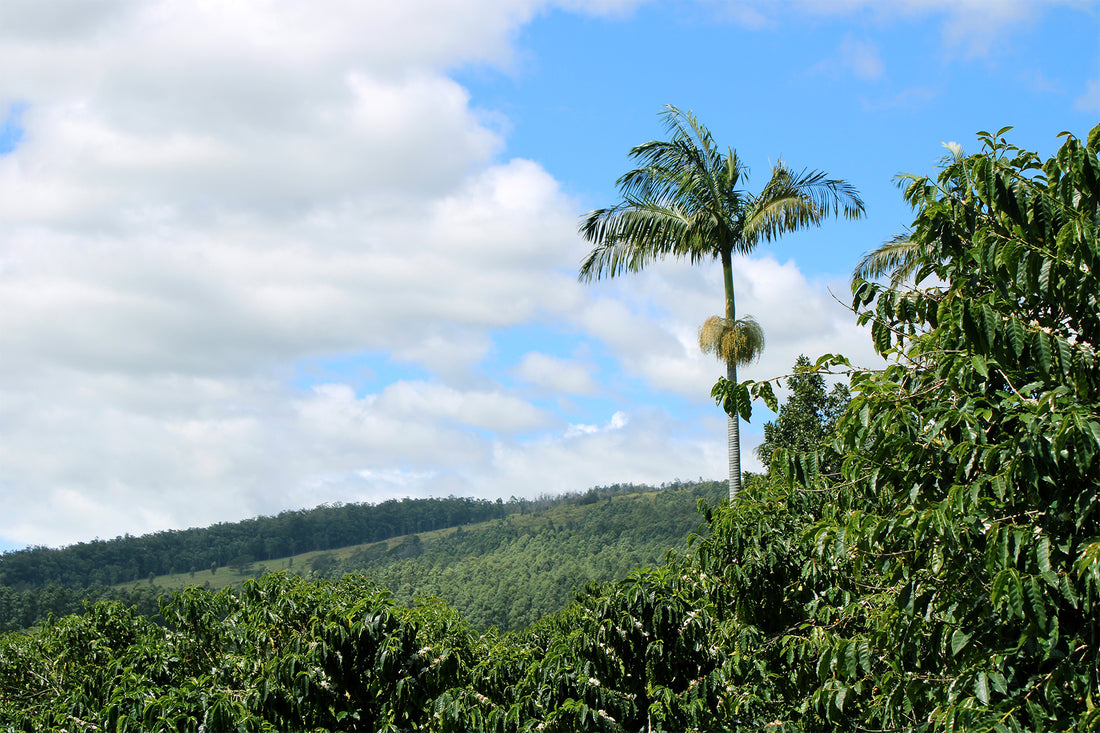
x=264, y=255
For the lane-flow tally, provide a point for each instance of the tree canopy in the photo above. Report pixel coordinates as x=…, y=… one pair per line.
x=965, y=512
x=809, y=416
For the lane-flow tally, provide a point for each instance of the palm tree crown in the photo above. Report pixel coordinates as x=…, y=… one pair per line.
x=685, y=201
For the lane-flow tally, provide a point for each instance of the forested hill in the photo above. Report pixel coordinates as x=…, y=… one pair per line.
x=501, y=563
x=262, y=539
x=326, y=527
x=510, y=572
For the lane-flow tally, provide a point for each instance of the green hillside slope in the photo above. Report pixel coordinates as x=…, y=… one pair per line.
x=510, y=572
x=504, y=572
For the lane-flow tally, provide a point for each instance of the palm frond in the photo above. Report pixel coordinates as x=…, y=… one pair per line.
x=673, y=171
x=898, y=258
x=831, y=196
x=767, y=220
x=734, y=171
x=686, y=126
x=791, y=201
x=630, y=236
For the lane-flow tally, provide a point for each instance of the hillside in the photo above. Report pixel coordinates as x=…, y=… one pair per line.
x=261, y=539
x=506, y=571
x=511, y=572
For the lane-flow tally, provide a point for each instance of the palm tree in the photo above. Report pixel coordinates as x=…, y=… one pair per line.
x=683, y=201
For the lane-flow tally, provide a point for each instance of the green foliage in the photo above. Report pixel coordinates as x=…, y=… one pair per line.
x=809, y=416
x=23, y=609
x=967, y=505
x=280, y=654
x=735, y=399
x=26, y=602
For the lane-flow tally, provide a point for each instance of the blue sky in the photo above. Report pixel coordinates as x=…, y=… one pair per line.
x=254, y=258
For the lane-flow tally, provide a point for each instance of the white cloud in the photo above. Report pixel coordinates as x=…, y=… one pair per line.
x=652, y=322
x=421, y=280
x=365, y=136
x=861, y=57
x=601, y=7
x=645, y=446
x=60, y=21
x=1089, y=100
x=209, y=195
x=205, y=195
x=617, y=422
x=486, y=410
x=563, y=376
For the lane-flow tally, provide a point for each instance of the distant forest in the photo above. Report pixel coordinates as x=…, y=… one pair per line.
x=126, y=559
x=509, y=573
x=505, y=563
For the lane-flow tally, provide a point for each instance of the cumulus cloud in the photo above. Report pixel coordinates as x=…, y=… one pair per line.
x=564, y=376
x=207, y=196
x=652, y=323
x=637, y=447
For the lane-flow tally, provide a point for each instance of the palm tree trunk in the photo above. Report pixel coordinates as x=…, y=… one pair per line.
x=733, y=429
